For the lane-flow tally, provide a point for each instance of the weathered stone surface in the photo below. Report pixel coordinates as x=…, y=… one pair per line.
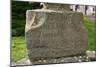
x=52, y=34
x=91, y=55
x=74, y=59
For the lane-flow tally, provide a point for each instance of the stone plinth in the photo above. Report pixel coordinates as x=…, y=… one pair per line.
x=54, y=33
x=89, y=57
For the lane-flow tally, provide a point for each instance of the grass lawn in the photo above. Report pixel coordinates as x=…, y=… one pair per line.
x=91, y=27
x=18, y=50
x=19, y=46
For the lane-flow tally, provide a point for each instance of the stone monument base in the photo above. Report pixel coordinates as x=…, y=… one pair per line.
x=55, y=32
x=90, y=56
x=59, y=34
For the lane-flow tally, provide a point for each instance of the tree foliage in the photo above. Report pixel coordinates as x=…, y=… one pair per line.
x=18, y=11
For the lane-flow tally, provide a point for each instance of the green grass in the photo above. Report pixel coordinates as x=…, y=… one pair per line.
x=91, y=27
x=19, y=46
